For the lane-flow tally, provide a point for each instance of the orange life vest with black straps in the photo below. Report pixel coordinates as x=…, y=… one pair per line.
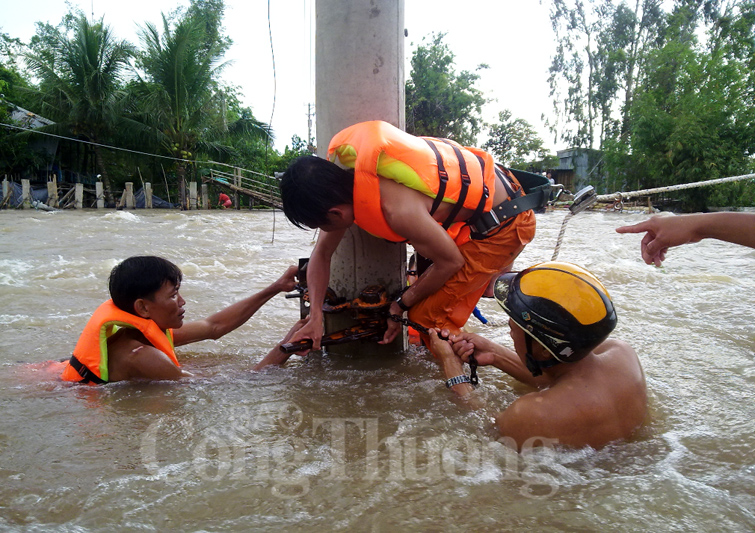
x=89, y=360
x=440, y=168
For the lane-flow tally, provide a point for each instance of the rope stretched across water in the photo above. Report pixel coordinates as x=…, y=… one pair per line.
x=620, y=196
x=682, y=186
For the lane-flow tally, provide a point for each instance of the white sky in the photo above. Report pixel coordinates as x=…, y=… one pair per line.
x=512, y=36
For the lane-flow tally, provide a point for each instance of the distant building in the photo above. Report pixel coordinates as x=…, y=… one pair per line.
x=579, y=167
x=27, y=119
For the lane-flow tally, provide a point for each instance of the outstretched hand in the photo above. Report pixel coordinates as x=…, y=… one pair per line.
x=394, y=328
x=662, y=233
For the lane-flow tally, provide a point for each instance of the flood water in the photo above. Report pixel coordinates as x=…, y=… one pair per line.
x=348, y=442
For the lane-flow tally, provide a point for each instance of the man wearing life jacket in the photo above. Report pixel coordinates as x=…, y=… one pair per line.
x=591, y=389
x=450, y=202
x=133, y=335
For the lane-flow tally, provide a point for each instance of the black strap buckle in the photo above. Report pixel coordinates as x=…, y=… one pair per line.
x=87, y=376
x=486, y=222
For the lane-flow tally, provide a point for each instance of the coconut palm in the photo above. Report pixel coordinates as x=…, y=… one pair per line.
x=181, y=97
x=81, y=79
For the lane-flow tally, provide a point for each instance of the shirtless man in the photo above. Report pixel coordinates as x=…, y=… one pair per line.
x=406, y=188
x=591, y=390
x=133, y=335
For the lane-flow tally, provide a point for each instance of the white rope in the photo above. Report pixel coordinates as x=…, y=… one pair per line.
x=645, y=192
x=561, y=235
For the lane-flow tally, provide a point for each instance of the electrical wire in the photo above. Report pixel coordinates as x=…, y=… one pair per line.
x=275, y=93
x=118, y=148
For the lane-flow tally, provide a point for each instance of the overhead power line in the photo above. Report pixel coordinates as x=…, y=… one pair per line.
x=118, y=148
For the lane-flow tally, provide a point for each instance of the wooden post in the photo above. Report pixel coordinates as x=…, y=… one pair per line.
x=52, y=191
x=25, y=194
x=193, y=195
x=6, y=190
x=100, y=193
x=66, y=201
x=129, y=199
x=78, y=202
x=205, y=197
x=650, y=206
x=237, y=183
x=148, y=195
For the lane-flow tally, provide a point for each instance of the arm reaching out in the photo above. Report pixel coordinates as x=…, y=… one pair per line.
x=664, y=232
x=318, y=276
x=233, y=316
x=487, y=352
x=277, y=357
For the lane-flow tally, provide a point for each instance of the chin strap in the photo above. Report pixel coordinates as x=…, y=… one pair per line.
x=536, y=367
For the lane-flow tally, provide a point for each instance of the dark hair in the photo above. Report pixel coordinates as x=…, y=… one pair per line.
x=311, y=186
x=140, y=277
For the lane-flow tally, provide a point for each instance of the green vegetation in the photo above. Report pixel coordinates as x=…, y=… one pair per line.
x=439, y=102
x=667, y=96
x=662, y=92
x=162, y=98
x=659, y=93
x=442, y=103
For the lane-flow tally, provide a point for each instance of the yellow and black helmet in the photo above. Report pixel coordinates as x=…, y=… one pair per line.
x=562, y=306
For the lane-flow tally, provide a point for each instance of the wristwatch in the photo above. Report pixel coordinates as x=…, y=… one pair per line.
x=401, y=303
x=457, y=380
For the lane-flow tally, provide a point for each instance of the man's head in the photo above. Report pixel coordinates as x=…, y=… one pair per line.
x=311, y=187
x=141, y=277
x=562, y=306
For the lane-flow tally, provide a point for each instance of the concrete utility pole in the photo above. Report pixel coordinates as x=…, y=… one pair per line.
x=359, y=65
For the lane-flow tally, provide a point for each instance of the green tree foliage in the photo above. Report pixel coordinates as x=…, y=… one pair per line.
x=667, y=95
x=14, y=152
x=693, y=117
x=13, y=85
x=298, y=148
x=440, y=102
x=81, y=76
x=180, y=93
x=515, y=143
x=209, y=13
x=173, y=105
x=601, y=45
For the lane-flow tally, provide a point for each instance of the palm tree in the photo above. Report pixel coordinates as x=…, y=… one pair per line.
x=179, y=87
x=81, y=81
x=181, y=96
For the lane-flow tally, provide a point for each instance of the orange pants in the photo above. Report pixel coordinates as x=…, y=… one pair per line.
x=452, y=305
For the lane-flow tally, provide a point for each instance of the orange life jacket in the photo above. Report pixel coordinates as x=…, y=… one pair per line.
x=438, y=168
x=89, y=360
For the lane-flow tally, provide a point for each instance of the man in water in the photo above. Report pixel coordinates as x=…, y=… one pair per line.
x=664, y=231
x=133, y=335
x=440, y=196
x=591, y=389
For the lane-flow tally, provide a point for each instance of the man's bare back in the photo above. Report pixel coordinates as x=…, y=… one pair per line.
x=597, y=400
